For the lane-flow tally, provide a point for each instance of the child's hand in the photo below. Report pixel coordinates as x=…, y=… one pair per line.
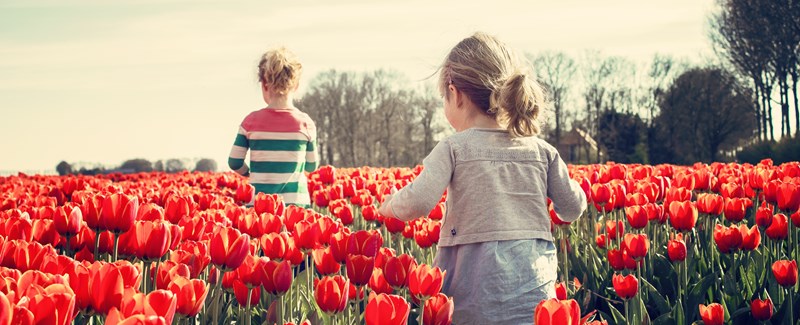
x=385, y=208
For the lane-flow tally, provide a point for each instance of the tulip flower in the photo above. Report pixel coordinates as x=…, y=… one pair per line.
x=277, y=277
x=6, y=310
x=169, y=271
x=438, y=310
x=394, y=225
x=364, y=242
x=751, y=237
x=728, y=239
x=424, y=281
x=712, y=314
x=377, y=282
x=359, y=269
x=736, y=208
x=397, y=269
x=159, y=303
x=637, y=245
x=228, y=248
x=561, y=291
x=785, y=272
x=191, y=295
x=637, y=216
x=244, y=193
x=625, y=286
x=331, y=294
x=269, y=203
x=324, y=262
x=240, y=291
x=682, y=215
x=779, y=229
x=711, y=204
x=153, y=239
x=761, y=309
x=51, y=305
x=553, y=311
x=764, y=215
x=615, y=259
x=788, y=197
x=676, y=249
x=118, y=213
x=68, y=223
x=386, y=309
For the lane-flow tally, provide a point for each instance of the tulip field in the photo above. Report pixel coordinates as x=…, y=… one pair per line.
x=711, y=244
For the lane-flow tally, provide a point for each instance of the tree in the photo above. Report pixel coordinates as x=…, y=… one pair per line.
x=64, y=168
x=174, y=166
x=705, y=111
x=556, y=71
x=158, y=166
x=206, y=165
x=137, y=165
x=622, y=137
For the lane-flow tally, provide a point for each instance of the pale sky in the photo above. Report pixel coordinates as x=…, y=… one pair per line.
x=105, y=81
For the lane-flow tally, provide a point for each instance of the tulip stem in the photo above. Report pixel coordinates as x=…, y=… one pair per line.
x=145, y=275
x=791, y=303
x=96, y=243
x=627, y=312
x=66, y=251
x=247, y=308
x=155, y=283
x=116, y=246
x=421, y=311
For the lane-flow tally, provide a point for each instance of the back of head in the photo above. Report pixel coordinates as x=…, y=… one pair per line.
x=492, y=76
x=279, y=69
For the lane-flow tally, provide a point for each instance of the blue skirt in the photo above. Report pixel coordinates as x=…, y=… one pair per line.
x=498, y=282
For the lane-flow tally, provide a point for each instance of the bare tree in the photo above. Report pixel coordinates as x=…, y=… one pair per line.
x=556, y=70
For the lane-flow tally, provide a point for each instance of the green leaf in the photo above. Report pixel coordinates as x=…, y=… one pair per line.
x=678, y=314
x=657, y=298
x=665, y=319
x=618, y=318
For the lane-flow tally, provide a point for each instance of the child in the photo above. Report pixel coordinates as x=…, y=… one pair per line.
x=281, y=138
x=495, y=242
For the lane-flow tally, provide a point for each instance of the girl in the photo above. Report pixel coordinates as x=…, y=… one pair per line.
x=495, y=242
x=281, y=138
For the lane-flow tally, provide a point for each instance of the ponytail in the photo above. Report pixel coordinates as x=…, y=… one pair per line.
x=518, y=104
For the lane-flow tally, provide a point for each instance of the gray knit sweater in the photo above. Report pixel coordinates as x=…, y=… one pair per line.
x=497, y=188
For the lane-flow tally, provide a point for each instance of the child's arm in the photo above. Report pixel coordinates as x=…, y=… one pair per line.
x=238, y=152
x=418, y=198
x=312, y=153
x=569, y=200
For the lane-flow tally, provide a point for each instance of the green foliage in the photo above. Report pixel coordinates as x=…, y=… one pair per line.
x=786, y=150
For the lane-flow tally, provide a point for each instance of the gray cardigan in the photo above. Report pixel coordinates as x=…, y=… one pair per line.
x=497, y=188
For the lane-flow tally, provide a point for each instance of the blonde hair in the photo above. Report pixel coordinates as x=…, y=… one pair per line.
x=280, y=69
x=490, y=74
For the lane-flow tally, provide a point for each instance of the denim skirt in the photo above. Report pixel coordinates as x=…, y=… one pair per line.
x=498, y=282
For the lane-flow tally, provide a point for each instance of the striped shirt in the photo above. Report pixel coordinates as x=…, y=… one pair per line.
x=283, y=145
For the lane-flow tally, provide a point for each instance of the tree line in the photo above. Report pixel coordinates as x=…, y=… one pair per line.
x=139, y=165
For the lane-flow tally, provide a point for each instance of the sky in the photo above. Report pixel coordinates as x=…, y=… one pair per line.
x=105, y=81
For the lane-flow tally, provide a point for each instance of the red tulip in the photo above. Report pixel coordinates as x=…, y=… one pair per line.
x=615, y=259
x=785, y=272
x=364, y=242
x=736, y=208
x=159, y=303
x=119, y=212
x=240, y=291
x=438, y=212
x=193, y=254
x=764, y=215
x=615, y=229
x=677, y=194
x=269, y=203
x=788, y=196
x=712, y=314
x=5, y=310
x=751, y=237
x=637, y=216
x=228, y=248
x=377, y=282
x=277, y=277
x=711, y=204
x=625, y=286
x=601, y=193
x=386, y=309
x=728, y=239
x=307, y=234
x=324, y=262
x=676, y=249
x=191, y=295
x=397, y=269
x=796, y=218
x=438, y=310
x=167, y=273
x=553, y=311
x=779, y=229
x=176, y=208
x=682, y=215
x=424, y=281
x=331, y=294
x=244, y=193
x=68, y=223
x=600, y=240
x=153, y=239
x=761, y=309
x=51, y=305
x=359, y=269
x=394, y=225
x=637, y=245
x=561, y=291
